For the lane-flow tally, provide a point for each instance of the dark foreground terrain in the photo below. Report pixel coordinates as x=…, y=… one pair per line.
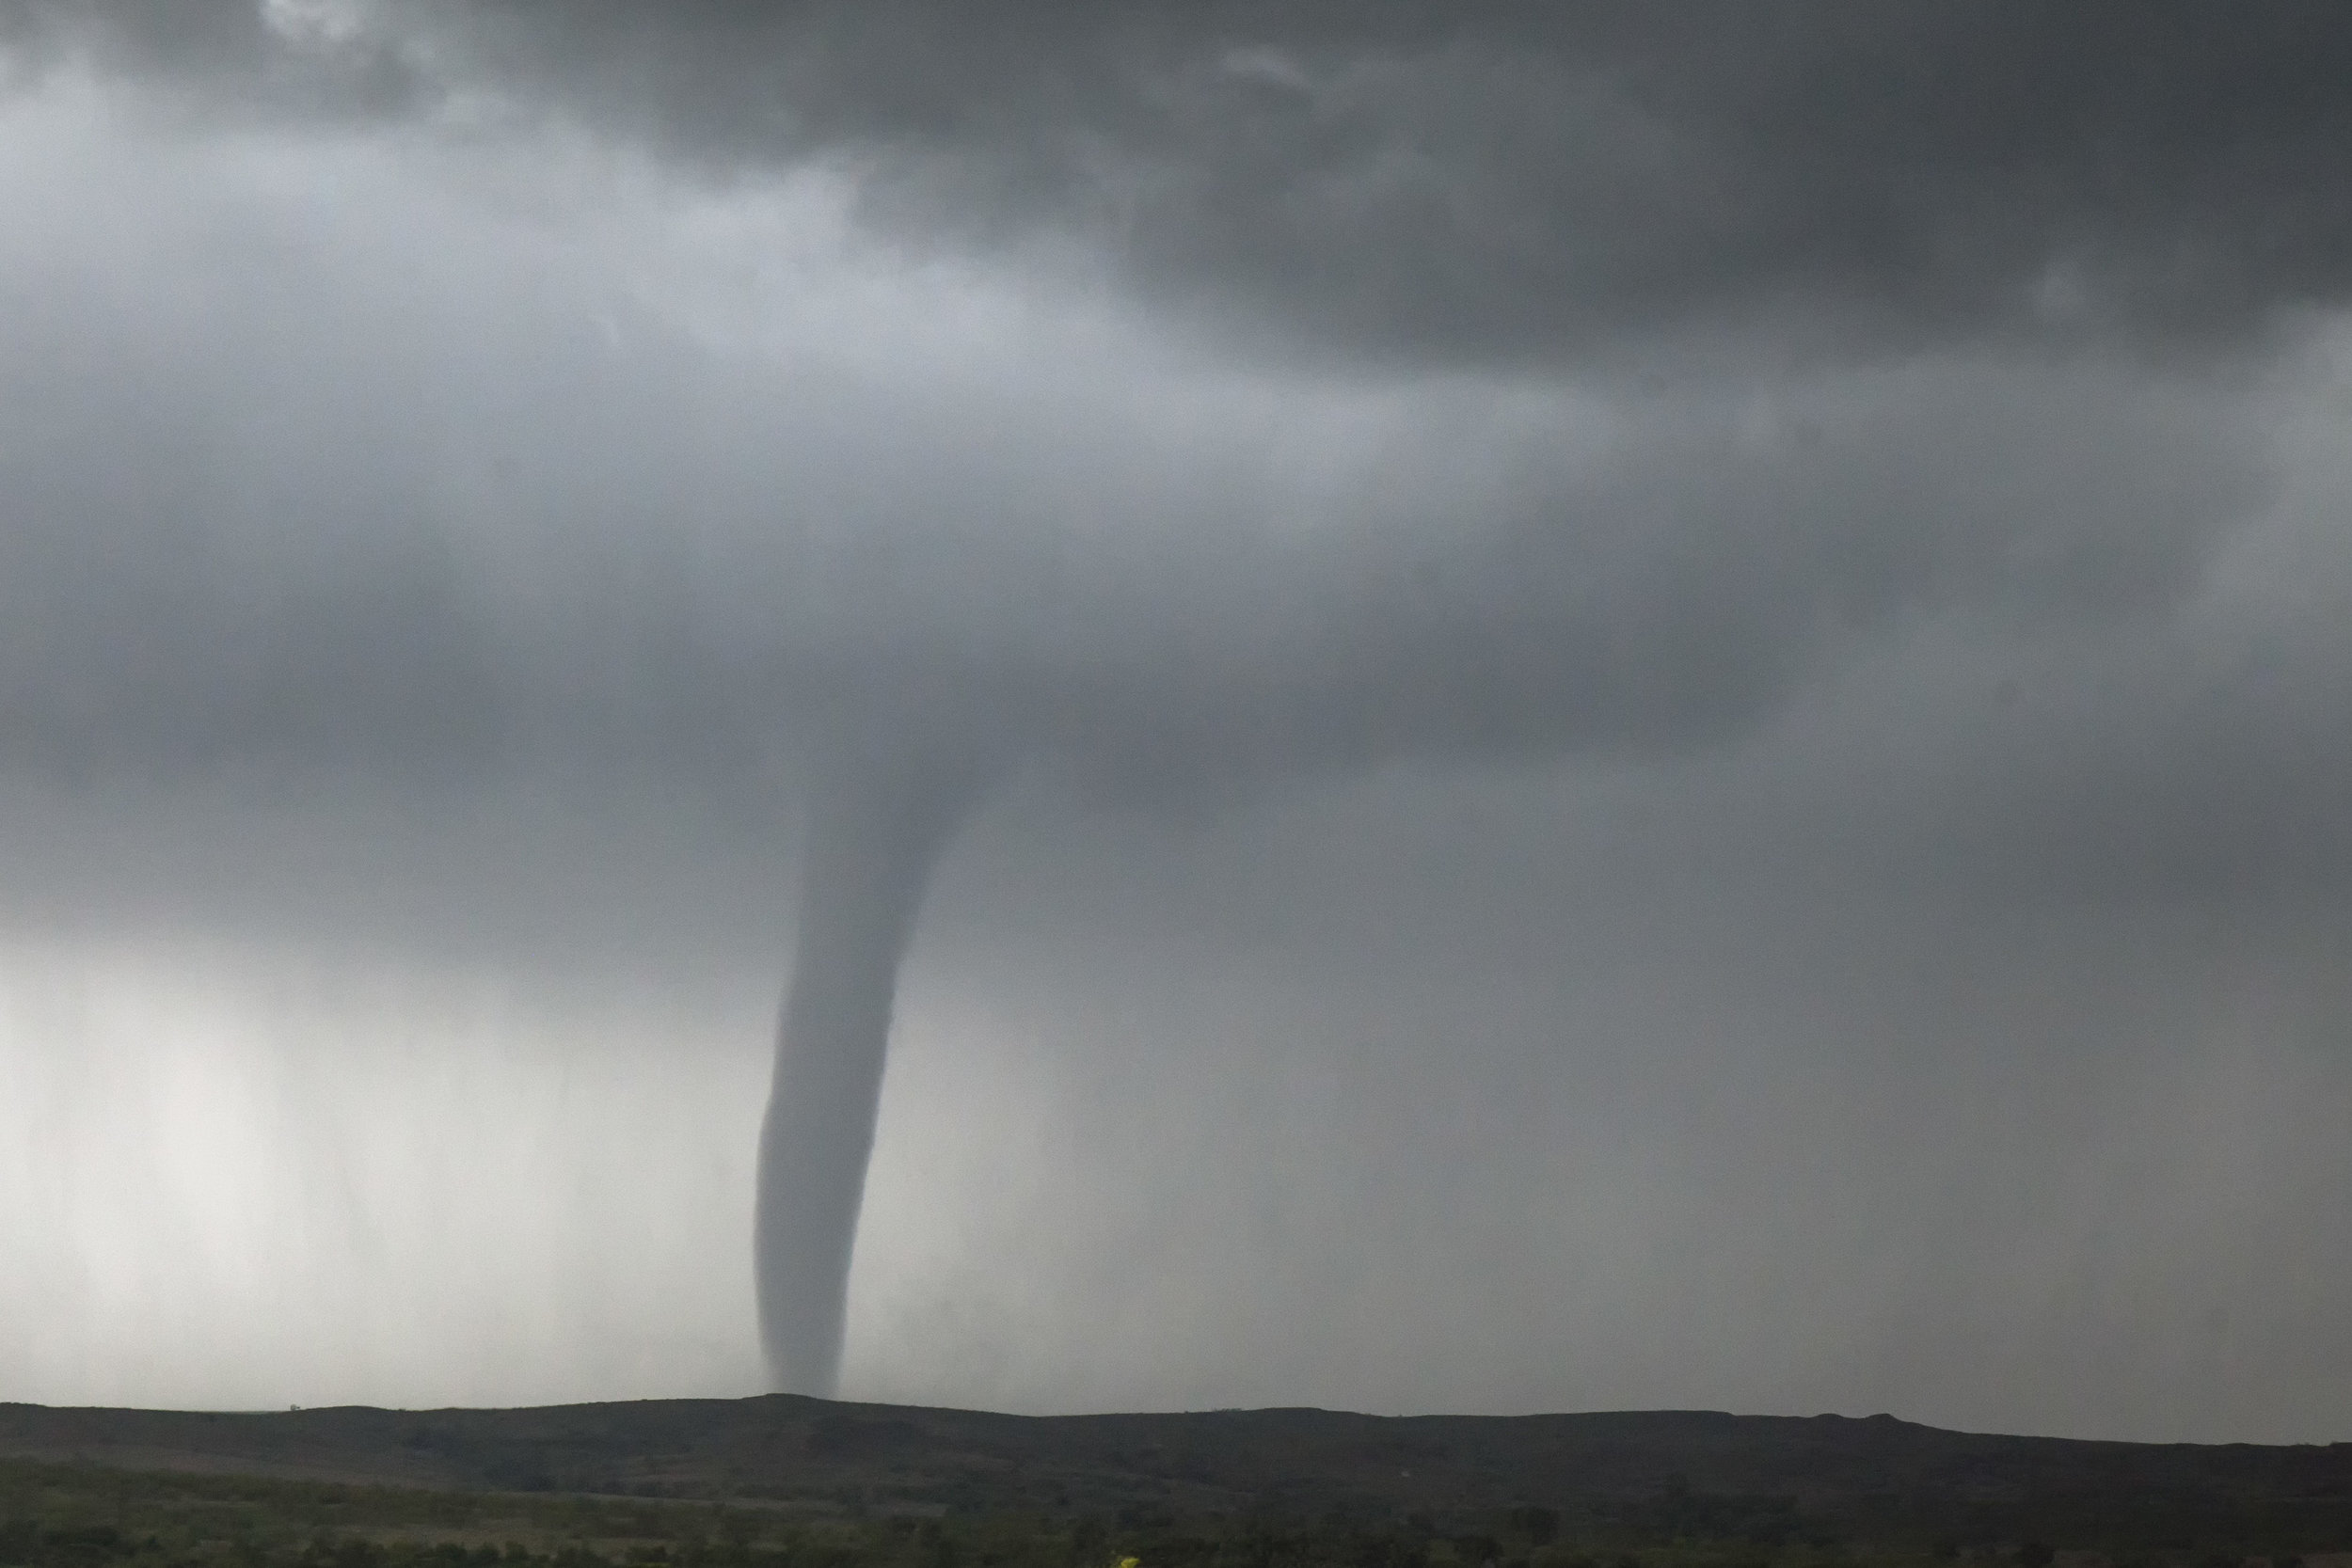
x=786, y=1482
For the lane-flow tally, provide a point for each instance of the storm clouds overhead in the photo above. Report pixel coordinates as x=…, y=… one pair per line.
x=1609, y=705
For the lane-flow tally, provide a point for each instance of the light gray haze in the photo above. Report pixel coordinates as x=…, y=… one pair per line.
x=1553, y=705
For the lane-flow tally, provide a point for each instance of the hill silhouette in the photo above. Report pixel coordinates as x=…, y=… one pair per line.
x=1663, y=1474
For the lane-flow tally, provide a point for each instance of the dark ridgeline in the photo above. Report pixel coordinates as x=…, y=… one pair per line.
x=1558, y=1484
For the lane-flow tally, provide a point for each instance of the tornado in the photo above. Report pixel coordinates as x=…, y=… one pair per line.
x=876, y=820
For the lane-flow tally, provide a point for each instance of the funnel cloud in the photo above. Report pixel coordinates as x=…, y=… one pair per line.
x=878, y=817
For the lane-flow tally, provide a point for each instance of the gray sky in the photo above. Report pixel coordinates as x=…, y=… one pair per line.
x=1680, y=677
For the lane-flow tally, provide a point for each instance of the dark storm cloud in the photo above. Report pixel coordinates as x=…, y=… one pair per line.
x=380, y=498
x=338, y=470
x=1508, y=183
x=371, y=506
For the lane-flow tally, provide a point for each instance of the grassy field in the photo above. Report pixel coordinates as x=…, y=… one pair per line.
x=94, y=1516
x=795, y=1483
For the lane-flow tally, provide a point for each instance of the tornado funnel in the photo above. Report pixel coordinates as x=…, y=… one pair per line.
x=876, y=820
